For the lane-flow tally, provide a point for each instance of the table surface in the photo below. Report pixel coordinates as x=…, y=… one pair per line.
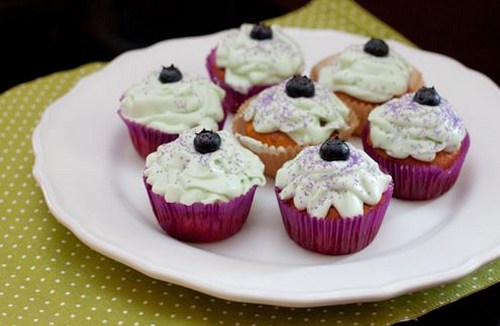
x=49, y=277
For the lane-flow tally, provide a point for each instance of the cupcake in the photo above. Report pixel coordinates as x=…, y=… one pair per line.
x=332, y=198
x=250, y=59
x=202, y=184
x=277, y=123
x=167, y=102
x=365, y=76
x=420, y=140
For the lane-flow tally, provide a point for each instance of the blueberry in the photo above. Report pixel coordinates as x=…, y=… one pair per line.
x=170, y=75
x=299, y=86
x=334, y=149
x=427, y=96
x=206, y=141
x=261, y=32
x=376, y=47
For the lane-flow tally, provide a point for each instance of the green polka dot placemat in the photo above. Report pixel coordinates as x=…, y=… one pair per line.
x=48, y=277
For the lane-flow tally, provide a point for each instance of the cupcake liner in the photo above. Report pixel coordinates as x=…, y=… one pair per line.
x=333, y=236
x=353, y=122
x=233, y=98
x=327, y=61
x=145, y=139
x=418, y=181
x=272, y=158
x=415, y=82
x=360, y=107
x=201, y=222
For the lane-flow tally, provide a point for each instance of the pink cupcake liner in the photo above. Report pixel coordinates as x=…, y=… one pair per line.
x=233, y=98
x=333, y=236
x=201, y=222
x=145, y=139
x=418, y=182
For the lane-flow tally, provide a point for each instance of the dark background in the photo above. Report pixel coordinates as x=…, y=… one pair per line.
x=44, y=36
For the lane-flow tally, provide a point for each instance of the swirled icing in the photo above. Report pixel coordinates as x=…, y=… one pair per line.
x=181, y=174
x=173, y=107
x=307, y=120
x=248, y=62
x=405, y=128
x=316, y=184
x=367, y=77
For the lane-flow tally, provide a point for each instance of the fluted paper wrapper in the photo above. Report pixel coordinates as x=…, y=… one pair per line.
x=416, y=181
x=271, y=158
x=145, y=139
x=201, y=222
x=233, y=98
x=333, y=236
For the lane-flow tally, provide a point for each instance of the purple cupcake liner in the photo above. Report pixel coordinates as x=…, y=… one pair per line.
x=201, y=222
x=418, y=182
x=233, y=98
x=146, y=140
x=333, y=236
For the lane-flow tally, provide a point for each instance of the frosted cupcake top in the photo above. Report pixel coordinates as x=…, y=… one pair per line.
x=306, y=119
x=173, y=105
x=404, y=127
x=251, y=60
x=219, y=170
x=366, y=76
x=316, y=184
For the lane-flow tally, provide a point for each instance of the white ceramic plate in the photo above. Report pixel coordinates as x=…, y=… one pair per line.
x=92, y=181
